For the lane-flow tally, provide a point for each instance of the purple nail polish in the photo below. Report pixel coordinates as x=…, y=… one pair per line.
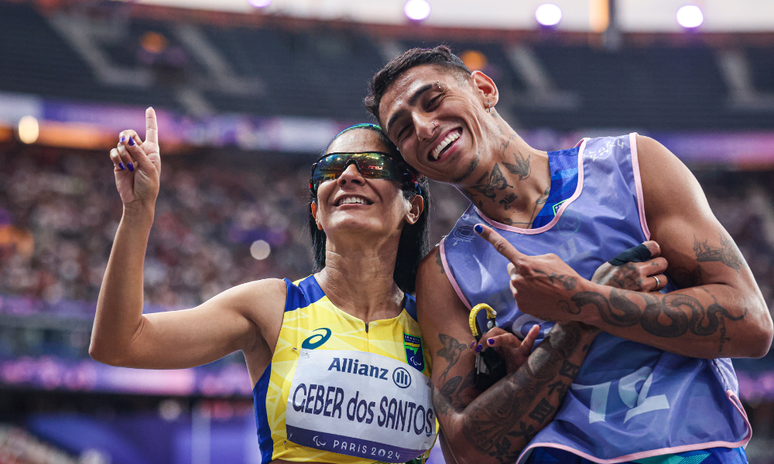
x=130, y=166
x=479, y=348
x=123, y=137
x=472, y=344
x=490, y=341
x=131, y=141
x=121, y=165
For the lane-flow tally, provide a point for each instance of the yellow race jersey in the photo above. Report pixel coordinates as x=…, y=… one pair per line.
x=311, y=321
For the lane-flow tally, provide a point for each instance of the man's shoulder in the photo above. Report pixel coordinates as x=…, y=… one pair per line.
x=431, y=264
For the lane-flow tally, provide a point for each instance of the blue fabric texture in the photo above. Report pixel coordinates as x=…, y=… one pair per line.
x=707, y=456
x=564, y=181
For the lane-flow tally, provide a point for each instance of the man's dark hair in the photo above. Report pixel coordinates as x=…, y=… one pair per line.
x=440, y=56
x=414, y=239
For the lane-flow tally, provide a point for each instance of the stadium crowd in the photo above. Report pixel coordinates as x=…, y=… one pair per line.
x=58, y=215
x=58, y=218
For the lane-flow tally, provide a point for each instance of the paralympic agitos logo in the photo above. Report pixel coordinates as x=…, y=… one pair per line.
x=414, y=356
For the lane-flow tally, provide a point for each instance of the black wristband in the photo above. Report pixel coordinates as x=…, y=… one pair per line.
x=635, y=254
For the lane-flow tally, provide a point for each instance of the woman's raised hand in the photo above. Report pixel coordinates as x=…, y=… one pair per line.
x=137, y=164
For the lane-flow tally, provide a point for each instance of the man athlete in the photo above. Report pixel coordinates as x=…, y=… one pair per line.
x=657, y=381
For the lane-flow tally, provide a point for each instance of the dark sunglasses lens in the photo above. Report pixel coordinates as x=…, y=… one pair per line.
x=328, y=168
x=375, y=165
x=370, y=165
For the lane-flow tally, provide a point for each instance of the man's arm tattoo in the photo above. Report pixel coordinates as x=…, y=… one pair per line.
x=684, y=278
x=450, y=352
x=542, y=411
x=439, y=261
x=726, y=253
x=569, y=369
x=519, y=405
x=684, y=313
x=449, y=394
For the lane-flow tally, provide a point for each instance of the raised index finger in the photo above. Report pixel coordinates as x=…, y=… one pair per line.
x=151, y=126
x=501, y=245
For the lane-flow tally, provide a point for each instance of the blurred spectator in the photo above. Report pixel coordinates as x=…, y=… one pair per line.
x=207, y=218
x=19, y=447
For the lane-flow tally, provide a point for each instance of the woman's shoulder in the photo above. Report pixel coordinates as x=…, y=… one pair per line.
x=262, y=287
x=282, y=294
x=254, y=298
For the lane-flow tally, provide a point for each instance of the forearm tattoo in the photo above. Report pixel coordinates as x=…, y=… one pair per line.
x=501, y=423
x=671, y=315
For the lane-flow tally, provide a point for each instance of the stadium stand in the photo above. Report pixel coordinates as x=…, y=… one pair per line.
x=320, y=71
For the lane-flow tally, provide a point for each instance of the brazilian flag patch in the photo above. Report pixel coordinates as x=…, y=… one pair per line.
x=414, y=356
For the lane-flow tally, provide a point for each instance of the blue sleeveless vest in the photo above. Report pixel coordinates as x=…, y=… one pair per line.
x=629, y=401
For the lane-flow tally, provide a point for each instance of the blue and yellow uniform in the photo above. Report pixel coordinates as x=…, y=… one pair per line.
x=311, y=321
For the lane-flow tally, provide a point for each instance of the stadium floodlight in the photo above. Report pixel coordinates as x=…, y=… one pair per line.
x=548, y=15
x=260, y=249
x=690, y=16
x=259, y=3
x=29, y=130
x=417, y=10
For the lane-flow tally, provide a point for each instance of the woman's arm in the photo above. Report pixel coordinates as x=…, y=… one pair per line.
x=246, y=317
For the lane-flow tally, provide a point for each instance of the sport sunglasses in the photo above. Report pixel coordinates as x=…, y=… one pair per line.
x=371, y=165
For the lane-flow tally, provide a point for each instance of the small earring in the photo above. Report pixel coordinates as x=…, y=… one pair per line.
x=488, y=106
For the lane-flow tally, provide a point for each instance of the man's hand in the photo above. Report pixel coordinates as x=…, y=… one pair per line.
x=640, y=269
x=541, y=285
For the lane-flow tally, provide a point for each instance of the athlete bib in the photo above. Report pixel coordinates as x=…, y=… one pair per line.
x=360, y=404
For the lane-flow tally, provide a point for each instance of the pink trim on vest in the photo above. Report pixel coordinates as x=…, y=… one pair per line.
x=578, y=190
x=638, y=184
x=658, y=452
x=450, y=276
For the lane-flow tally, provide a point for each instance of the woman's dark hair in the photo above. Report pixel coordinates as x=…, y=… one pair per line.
x=414, y=239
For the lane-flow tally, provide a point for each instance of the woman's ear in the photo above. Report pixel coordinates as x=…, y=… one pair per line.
x=314, y=215
x=415, y=212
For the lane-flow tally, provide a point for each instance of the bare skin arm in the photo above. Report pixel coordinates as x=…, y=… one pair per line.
x=493, y=426
x=123, y=336
x=718, y=312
